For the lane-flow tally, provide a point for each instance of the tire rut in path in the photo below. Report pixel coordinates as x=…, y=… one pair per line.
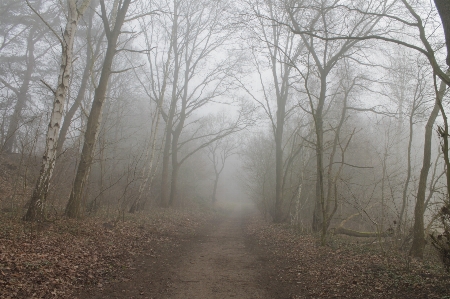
x=219, y=266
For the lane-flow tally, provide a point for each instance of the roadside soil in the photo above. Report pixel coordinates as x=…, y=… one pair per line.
x=219, y=265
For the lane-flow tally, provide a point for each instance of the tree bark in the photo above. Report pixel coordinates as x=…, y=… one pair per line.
x=173, y=183
x=21, y=94
x=83, y=86
x=443, y=7
x=332, y=179
x=175, y=138
x=165, y=188
x=281, y=91
x=418, y=243
x=409, y=166
x=216, y=181
x=281, y=114
x=36, y=207
x=319, y=207
x=165, y=191
x=179, y=127
x=73, y=208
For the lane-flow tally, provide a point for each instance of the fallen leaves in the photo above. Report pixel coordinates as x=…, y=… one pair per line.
x=306, y=270
x=54, y=261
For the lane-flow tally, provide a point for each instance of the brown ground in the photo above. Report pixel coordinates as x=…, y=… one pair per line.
x=216, y=262
x=219, y=265
x=237, y=255
x=229, y=253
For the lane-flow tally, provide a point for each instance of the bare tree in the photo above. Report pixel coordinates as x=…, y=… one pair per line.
x=325, y=57
x=218, y=153
x=21, y=92
x=416, y=92
x=75, y=11
x=403, y=17
x=23, y=48
x=113, y=29
x=190, y=75
x=202, y=136
x=259, y=166
x=155, y=87
x=282, y=51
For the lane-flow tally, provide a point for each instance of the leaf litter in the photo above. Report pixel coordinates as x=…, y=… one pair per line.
x=301, y=268
x=56, y=259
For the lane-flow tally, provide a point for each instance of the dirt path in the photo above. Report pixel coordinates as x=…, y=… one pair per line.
x=238, y=255
x=216, y=262
x=219, y=265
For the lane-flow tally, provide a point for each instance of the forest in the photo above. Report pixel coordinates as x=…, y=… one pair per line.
x=305, y=132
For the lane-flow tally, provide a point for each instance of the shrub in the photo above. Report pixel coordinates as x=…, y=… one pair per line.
x=442, y=241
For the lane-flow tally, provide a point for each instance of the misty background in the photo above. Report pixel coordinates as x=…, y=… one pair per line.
x=316, y=111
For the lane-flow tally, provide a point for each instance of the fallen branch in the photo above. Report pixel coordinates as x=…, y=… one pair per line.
x=354, y=233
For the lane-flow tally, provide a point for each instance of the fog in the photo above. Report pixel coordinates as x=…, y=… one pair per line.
x=315, y=113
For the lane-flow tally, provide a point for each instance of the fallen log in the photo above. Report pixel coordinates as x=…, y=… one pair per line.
x=354, y=233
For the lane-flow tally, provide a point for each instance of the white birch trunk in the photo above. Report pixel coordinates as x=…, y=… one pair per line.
x=147, y=173
x=36, y=208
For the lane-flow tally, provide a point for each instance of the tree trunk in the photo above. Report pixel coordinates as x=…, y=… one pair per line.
x=175, y=165
x=13, y=127
x=281, y=91
x=182, y=118
x=165, y=191
x=443, y=7
x=216, y=181
x=36, y=207
x=418, y=229
x=173, y=184
x=408, y=170
x=318, y=216
x=147, y=176
x=278, y=212
x=73, y=208
x=83, y=87
x=332, y=179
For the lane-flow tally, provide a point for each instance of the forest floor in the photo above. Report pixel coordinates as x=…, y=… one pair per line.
x=227, y=253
